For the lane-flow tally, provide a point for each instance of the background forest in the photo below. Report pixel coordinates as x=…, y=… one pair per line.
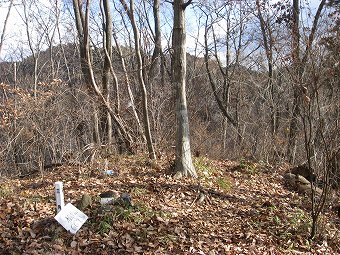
x=261, y=83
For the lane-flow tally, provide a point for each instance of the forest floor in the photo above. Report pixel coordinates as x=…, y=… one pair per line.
x=247, y=209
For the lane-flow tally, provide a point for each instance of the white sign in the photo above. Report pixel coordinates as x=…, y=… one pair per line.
x=71, y=218
x=59, y=195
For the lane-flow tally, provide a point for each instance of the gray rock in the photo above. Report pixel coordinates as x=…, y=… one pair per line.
x=300, y=183
x=124, y=200
x=86, y=201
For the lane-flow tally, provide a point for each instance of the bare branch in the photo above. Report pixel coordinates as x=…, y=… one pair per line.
x=185, y=5
x=5, y=25
x=312, y=33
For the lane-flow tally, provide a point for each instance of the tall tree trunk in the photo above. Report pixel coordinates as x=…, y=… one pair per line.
x=268, y=45
x=299, y=67
x=156, y=61
x=183, y=164
x=296, y=81
x=146, y=121
x=35, y=74
x=222, y=104
x=106, y=122
x=128, y=87
x=82, y=23
x=96, y=131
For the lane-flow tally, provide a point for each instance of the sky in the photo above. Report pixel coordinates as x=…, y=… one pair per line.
x=15, y=37
x=15, y=40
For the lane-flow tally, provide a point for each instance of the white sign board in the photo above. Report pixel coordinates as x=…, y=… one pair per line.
x=71, y=218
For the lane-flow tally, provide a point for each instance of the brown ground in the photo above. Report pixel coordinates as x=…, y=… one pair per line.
x=246, y=210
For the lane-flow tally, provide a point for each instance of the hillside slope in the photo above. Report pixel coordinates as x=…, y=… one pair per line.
x=232, y=208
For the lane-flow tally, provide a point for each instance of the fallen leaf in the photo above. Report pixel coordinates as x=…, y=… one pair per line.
x=74, y=244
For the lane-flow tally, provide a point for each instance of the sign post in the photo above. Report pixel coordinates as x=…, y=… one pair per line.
x=59, y=195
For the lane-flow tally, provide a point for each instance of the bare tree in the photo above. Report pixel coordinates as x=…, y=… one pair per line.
x=126, y=81
x=106, y=121
x=183, y=161
x=299, y=67
x=82, y=23
x=268, y=43
x=222, y=101
x=146, y=121
x=34, y=41
x=225, y=41
x=2, y=38
x=155, y=61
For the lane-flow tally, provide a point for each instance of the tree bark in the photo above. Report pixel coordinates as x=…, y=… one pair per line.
x=183, y=162
x=223, y=109
x=268, y=45
x=296, y=81
x=128, y=87
x=146, y=121
x=106, y=121
x=156, y=61
x=82, y=21
x=299, y=67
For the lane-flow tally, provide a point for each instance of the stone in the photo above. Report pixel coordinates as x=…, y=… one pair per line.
x=86, y=201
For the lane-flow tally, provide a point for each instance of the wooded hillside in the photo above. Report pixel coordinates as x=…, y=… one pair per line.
x=254, y=81
x=232, y=208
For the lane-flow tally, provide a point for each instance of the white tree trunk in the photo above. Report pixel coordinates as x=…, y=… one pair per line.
x=184, y=165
